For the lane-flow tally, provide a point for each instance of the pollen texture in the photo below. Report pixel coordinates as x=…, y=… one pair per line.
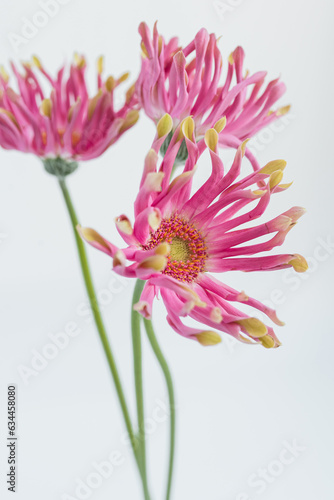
x=188, y=250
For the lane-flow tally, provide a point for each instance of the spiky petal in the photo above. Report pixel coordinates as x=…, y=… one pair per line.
x=63, y=121
x=183, y=81
x=178, y=237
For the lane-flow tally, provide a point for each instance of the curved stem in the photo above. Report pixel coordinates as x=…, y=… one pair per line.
x=164, y=366
x=97, y=315
x=137, y=359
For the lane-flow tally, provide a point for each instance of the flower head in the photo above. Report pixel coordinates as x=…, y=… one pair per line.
x=179, y=237
x=187, y=81
x=63, y=121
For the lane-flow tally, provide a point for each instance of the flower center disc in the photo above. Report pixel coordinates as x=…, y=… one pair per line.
x=179, y=250
x=188, y=251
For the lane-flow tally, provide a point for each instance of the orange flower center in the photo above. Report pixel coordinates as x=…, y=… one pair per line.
x=188, y=250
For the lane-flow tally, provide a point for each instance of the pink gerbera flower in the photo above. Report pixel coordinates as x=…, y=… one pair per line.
x=187, y=81
x=63, y=121
x=179, y=237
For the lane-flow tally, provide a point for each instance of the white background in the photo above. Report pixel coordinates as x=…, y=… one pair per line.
x=237, y=405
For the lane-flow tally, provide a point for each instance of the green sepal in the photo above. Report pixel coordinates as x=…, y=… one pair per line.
x=59, y=167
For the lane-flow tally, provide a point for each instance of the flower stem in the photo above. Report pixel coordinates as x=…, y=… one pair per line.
x=97, y=316
x=164, y=366
x=137, y=358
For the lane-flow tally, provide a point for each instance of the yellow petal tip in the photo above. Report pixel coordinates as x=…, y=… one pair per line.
x=211, y=139
x=154, y=219
x=131, y=118
x=253, y=326
x=79, y=60
x=156, y=262
x=100, y=63
x=124, y=77
x=124, y=225
x=144, y=49
x=207, y=338
x=259, y=192
x=37, y=62
x=283, y=110
x=268, y=342
x=165, y=125
x=299, y=263
x=162, y=249
x=243, y=146
x=110, y=83
x=285, y=186
x=188, y=127
x=273, y=166
x=275, y=178
x=220, y=124
x=46, y=107
x=91, y=236
x=4, y=74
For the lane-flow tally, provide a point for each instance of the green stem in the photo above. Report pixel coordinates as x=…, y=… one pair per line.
x=164, y=366
x=97, y=316
x=138, y=370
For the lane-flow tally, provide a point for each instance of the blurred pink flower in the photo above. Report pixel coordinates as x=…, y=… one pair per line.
x=186, y=82
x=178, y=237
x=64, y=121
